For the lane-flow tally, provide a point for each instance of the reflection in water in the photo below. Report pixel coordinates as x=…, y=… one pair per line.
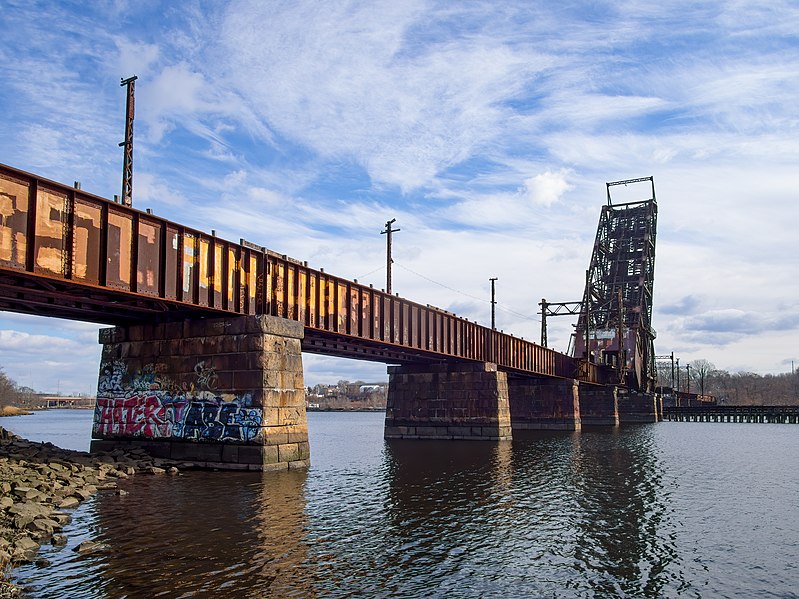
x=488, y=519
x=674, y=509
x=282, y=550
x=196, y=533
x=620, y=546
x=445, y=510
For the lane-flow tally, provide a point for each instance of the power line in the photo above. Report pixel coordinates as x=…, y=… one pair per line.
x=371, y=272
x=479, y=299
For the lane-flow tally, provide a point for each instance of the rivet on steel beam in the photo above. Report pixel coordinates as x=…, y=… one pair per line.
x=321, y=270
x=355, y=280
x=116, y=199
x=149, y=210
x=77, y=184
x=213, y=232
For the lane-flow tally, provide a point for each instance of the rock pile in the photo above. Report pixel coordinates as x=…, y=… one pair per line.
x=41, y=483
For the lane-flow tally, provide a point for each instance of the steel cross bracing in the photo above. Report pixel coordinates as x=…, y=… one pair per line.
x=618, y=290
x=70, y=254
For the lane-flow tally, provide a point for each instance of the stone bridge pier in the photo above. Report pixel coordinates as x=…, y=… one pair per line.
x=538, y=403
x=473, y=400
x=223, y=393
x=456, y=400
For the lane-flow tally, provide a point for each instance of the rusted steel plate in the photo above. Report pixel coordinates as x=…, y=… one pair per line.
x=95, y=246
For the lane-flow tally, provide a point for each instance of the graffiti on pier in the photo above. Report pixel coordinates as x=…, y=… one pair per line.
x=149, y=404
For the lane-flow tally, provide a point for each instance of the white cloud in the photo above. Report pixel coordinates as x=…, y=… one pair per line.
x=150, y=190
x=57, y=356
x=340, y=81
x=488, y=130
x=547, y=188
x=134, y=58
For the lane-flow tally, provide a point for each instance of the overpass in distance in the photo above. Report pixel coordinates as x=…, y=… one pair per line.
x=204, y=361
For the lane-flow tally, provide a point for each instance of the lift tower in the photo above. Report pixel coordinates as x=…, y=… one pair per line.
x=615, y=324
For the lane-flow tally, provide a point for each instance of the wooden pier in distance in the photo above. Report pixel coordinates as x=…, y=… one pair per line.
x=715, y=413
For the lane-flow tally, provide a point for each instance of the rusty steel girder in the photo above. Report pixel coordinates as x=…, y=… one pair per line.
x=69, y=254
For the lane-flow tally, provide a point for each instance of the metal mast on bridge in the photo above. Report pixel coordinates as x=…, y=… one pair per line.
x=127, y=162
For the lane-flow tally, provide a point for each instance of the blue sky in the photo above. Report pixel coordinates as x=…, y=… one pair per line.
x=487, y=129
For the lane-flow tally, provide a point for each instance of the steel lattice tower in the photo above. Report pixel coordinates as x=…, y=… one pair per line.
x=617, y=302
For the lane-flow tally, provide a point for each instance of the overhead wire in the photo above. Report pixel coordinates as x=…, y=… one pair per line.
x=479, y=299
x=371, y=272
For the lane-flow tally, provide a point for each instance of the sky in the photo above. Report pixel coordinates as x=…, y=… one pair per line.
x=486, y=129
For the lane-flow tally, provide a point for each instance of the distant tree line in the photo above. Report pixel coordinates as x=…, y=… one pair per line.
x=345, y=395
x=737, y=388
x=12, y=394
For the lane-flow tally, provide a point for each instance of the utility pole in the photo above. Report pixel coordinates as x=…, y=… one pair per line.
x=127, y=163
x=544, y=306
x=389, y=261
x=702, y=381
x=672, y=371
x=678, y=382
x=493, y=305
x=587, y=309
x=688, y=377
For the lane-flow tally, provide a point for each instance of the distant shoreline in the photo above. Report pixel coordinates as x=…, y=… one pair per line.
x=9, y=411
x=13, y=411
x=345, y=410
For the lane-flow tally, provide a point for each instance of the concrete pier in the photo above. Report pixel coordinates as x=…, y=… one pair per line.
x=223, y=393
x=599, y=405
x=544, y=403
x=458, y=400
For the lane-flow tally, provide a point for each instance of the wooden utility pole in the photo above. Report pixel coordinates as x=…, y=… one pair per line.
x=389, y=261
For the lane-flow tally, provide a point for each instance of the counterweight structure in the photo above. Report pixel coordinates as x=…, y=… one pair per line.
x=615, y=322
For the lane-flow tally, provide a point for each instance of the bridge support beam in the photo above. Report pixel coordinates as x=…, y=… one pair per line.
x=637, y=407
x=599, y=405
x=447, y=401
x=218, y=393
x=544, y=404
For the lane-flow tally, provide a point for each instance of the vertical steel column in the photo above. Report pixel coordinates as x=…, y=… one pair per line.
x=543, y=305
x=127, y=163
x=493, y=304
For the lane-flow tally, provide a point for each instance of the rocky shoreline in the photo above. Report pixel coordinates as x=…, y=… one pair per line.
x=41, y=484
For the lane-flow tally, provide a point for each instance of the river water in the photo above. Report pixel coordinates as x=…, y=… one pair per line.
x=662, y=510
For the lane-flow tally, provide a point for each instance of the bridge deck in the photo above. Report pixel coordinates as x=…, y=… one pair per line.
x=69, y=254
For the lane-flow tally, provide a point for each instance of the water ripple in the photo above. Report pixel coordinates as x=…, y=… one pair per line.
x=663, y=510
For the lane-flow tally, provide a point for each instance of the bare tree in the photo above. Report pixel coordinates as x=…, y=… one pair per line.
x=8, y=390
x=700, y=369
